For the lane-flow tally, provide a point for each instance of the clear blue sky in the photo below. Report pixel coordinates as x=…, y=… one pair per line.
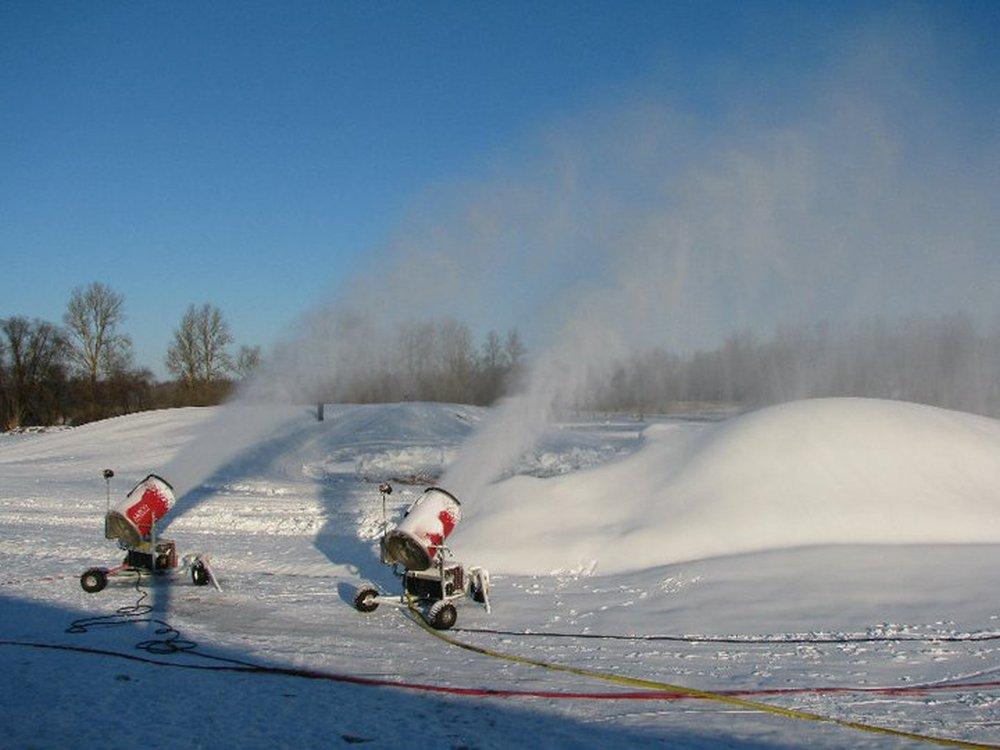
x=254, y=154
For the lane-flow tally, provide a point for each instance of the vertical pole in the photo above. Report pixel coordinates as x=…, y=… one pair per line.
x=319, y=411
x=384, y=489
x=152, y=543
x=381, y=546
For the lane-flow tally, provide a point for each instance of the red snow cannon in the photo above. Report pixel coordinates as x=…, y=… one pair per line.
x=148, y=502
x=133, y=526
x=429, y=521
x=431, y=581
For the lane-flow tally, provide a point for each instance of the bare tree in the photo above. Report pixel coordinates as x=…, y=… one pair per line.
x=514, y=349
x=197, y=354
x=492, y=352
x=248, y=360
x=458, y=361
x=96, y=347
x=35, y=352
x=491, y=369
x=4, y=369
x=182, y=355
x=213, y=338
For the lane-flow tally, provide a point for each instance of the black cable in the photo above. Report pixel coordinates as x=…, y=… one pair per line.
x=170, y=642
x=751, y=640
x=238, y=666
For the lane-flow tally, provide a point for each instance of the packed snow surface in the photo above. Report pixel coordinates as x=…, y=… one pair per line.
x=288, y=509
x=825, y=471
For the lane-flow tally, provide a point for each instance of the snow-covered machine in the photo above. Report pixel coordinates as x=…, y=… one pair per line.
x=417, y=552
x=133, y=526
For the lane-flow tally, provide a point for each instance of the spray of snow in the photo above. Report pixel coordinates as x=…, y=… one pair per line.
x=649, y=225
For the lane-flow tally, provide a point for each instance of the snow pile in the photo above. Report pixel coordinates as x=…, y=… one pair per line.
x=826, y=471
x=288, y=443
x=133, y=444
x=410, y=441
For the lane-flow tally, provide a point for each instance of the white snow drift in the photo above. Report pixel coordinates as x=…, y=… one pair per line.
x=826, y=471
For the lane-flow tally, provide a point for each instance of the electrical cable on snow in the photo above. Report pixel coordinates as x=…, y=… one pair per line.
x=241, y=666
x=708, y=695
x=740, y=639
x=651, y=690
x=169, y=643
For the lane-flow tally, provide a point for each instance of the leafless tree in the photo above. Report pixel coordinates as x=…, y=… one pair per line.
x=213, y=337
x=492, y=351
x=457, y=359
x=182, y=355
x=514, y=350
x=248, y=360
x=96, y=347
x=35, y=350
x=197, y=356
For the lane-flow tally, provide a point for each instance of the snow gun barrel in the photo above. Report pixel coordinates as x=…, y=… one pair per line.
x=420, y=536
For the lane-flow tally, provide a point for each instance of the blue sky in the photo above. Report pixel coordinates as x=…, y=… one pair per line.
x=255, y=155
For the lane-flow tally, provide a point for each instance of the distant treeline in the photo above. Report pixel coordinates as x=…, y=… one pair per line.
x=431, y=361
x=945, y=361
x=83, y=369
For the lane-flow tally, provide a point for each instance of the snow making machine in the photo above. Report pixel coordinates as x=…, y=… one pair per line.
x=432, y=582
x=133, y=526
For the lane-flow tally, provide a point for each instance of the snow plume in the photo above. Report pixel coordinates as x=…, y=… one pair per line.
x=871, y=191
x=856, y=204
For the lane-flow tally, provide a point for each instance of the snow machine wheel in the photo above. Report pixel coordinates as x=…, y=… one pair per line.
x=442, y=615
x=93, y=580
x=199, y=574
x=364, y=600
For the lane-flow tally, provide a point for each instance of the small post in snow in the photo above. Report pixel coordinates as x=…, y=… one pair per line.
x=108, y=473
x=319, y=411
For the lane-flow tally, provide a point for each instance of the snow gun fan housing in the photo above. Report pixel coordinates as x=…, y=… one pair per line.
x=149, y=501
x=414, y=544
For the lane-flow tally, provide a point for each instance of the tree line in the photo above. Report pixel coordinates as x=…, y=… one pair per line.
x=944, y=361
x=433, y=360
x=84, y=369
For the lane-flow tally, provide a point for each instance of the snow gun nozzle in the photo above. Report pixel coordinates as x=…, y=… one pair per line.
x=107, y=473
x=385, y=488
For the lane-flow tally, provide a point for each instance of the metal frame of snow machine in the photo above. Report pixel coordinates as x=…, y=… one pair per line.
x=433, y=591
x=143, y=554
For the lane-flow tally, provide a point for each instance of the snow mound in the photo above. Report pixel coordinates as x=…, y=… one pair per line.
x=825, y=471
x=128, y=443
x=378, y=441
x=225, y=447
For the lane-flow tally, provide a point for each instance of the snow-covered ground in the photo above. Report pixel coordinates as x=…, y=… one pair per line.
x=739, y=530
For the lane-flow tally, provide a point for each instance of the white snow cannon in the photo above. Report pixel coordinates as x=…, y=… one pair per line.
x=417, y=553
x=429, y=521
x=133, y=526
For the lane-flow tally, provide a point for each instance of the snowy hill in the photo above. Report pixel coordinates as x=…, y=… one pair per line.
x=827, y=471
x=288, y=509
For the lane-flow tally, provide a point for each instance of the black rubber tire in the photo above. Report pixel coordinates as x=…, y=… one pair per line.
x=93, y=580
x=442, y=615
x=364, y=599
x=199, y=574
